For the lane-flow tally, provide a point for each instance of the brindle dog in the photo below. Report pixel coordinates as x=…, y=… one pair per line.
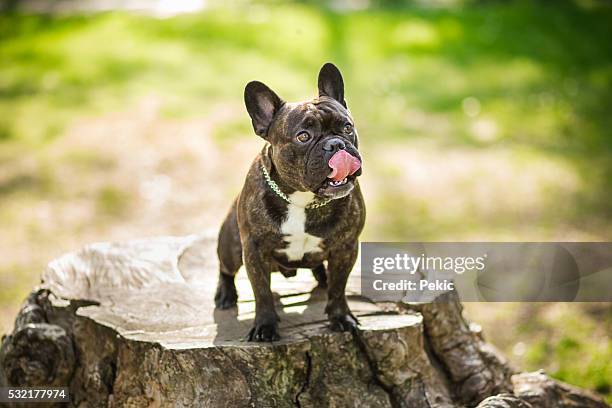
x=300, y=207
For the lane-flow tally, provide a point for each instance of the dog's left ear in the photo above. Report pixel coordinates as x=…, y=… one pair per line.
x=331, y=83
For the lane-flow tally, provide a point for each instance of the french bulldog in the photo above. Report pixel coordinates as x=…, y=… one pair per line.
x=300, y=206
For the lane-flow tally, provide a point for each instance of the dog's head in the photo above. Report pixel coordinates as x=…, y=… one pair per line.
x=313, y=143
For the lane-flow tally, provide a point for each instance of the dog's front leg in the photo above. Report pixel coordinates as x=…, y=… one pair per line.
x=265, y=327
x=340, y=264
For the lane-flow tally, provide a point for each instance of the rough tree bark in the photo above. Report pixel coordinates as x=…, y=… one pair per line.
x=134, y=325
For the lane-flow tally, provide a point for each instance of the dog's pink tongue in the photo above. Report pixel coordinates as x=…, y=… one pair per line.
x=343, y=165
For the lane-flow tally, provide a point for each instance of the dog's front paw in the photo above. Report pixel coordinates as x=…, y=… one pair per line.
x=264, y=332
x=226, y=296
x=343, y=323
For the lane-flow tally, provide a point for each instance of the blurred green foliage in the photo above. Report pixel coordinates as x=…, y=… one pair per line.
x=543, y=71
x=539, y=74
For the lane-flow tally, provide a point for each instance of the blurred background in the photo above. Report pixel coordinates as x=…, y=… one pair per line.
x=479, y=121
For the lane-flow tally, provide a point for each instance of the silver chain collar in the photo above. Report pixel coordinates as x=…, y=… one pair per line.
x=277, y=190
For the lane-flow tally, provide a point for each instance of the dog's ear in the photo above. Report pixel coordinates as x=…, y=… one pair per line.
x=262, y=104
x=331, y=83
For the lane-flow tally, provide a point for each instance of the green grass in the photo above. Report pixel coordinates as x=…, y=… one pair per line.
x=571, y=356
x=544, y=73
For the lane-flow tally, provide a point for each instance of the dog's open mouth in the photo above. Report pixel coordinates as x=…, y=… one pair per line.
x=344, y=168
x=340, y=180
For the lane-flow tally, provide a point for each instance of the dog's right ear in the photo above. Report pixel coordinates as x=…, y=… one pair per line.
x=262, y=104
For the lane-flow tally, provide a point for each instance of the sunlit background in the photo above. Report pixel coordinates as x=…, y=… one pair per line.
x=479, y=120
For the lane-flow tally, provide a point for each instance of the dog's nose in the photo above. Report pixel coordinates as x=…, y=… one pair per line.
x=333, y=145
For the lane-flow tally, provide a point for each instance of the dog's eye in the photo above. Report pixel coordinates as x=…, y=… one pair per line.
x=303, y=137
x=348, y=129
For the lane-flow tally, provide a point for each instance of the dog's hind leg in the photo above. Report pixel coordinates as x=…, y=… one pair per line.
x=229, y=250
x=320, y=275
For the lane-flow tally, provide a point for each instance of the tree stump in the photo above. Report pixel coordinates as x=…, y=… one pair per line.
x=133, y=325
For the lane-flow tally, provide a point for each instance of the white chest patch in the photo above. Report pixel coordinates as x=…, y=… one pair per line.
x=293, y=227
